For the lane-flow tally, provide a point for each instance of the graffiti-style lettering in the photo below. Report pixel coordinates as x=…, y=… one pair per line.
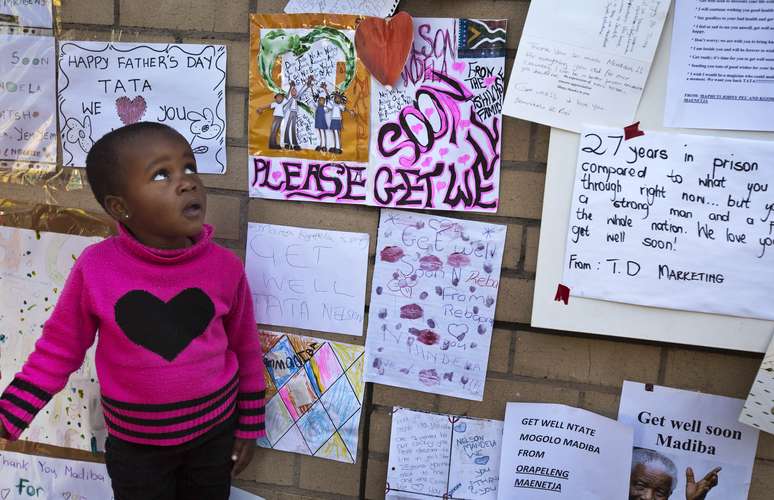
x=311, y=180
x=416, y=132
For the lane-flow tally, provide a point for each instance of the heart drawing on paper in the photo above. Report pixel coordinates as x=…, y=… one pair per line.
x=131, y=110
x=384, y=44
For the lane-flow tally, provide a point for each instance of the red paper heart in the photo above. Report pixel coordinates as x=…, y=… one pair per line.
x=383, y=45
x=131, y=110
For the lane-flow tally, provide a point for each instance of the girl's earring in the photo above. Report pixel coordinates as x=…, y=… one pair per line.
x=126, y=216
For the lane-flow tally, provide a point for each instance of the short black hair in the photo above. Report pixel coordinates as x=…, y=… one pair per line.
x=103, y=163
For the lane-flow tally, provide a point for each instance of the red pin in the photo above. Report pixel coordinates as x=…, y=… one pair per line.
x=633, y=131
x=562, y=294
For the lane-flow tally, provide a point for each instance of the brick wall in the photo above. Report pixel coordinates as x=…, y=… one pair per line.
x=526, y=364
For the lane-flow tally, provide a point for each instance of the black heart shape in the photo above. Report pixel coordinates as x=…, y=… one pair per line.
x=165, y=328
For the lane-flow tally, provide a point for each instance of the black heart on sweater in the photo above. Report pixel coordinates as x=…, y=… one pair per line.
x=165, y=328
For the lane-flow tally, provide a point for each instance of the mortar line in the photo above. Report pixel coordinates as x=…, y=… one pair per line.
x=366, y=433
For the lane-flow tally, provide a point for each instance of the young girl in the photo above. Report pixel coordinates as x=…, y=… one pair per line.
x=178, y=356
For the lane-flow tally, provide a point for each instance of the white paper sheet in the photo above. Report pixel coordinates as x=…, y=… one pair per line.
x=584, y=62
x=104, y=86
x=443, y=456
x=307, y=278
x=237, y=494
x=556, y=451
x=673, y=220
x=33, y=269
x=721, y=74
x=433, y=299
x=688, y=429
x=27, y=99
x=30, y=476
x=376, y=8
x=32, y=14
x=617, y=319
x=758, y=410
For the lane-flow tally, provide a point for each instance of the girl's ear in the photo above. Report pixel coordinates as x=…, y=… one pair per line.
x=116, y=207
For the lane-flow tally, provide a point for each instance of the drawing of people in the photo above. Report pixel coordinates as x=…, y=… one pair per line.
x=320, y=118
x=337, y=108
x=276, y=124
x=291, y=114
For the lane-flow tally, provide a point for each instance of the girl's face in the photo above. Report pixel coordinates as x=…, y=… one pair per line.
x=162, y=194
x=321, y=101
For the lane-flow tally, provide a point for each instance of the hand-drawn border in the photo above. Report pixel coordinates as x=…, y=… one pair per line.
x=125, y=47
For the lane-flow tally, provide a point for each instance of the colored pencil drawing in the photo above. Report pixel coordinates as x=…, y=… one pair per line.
x=314, y=396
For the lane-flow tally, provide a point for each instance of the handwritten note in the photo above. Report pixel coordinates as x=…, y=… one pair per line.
x=32, y=476
x=758, y=410
x=448, y=456
x=436, y=136
x=27, y=99
x=29, y=13
x=556, y=451
x=686, y=441
x=433, y=299
x=584, y=62
x=673, y=220
x=720, y=71
x=308, y=278
x=33, y=269
x=376, y=8
x=104, y=86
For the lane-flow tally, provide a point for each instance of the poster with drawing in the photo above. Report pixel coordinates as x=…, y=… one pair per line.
x=672, y=220
x=758, y=410
x=436, y=136
x=33, y=269
x=687, y=444
x=314, y=395
x=28, y=99
x=433, y=299
x=105, y=85
x=27, y=13
x=308, y=125
x=443, y=456
x=33, y=476
x=307, y=278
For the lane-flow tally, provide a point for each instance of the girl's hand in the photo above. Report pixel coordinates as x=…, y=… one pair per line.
x=242, y=455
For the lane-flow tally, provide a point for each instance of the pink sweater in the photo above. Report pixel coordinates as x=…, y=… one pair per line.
x=177, y=352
